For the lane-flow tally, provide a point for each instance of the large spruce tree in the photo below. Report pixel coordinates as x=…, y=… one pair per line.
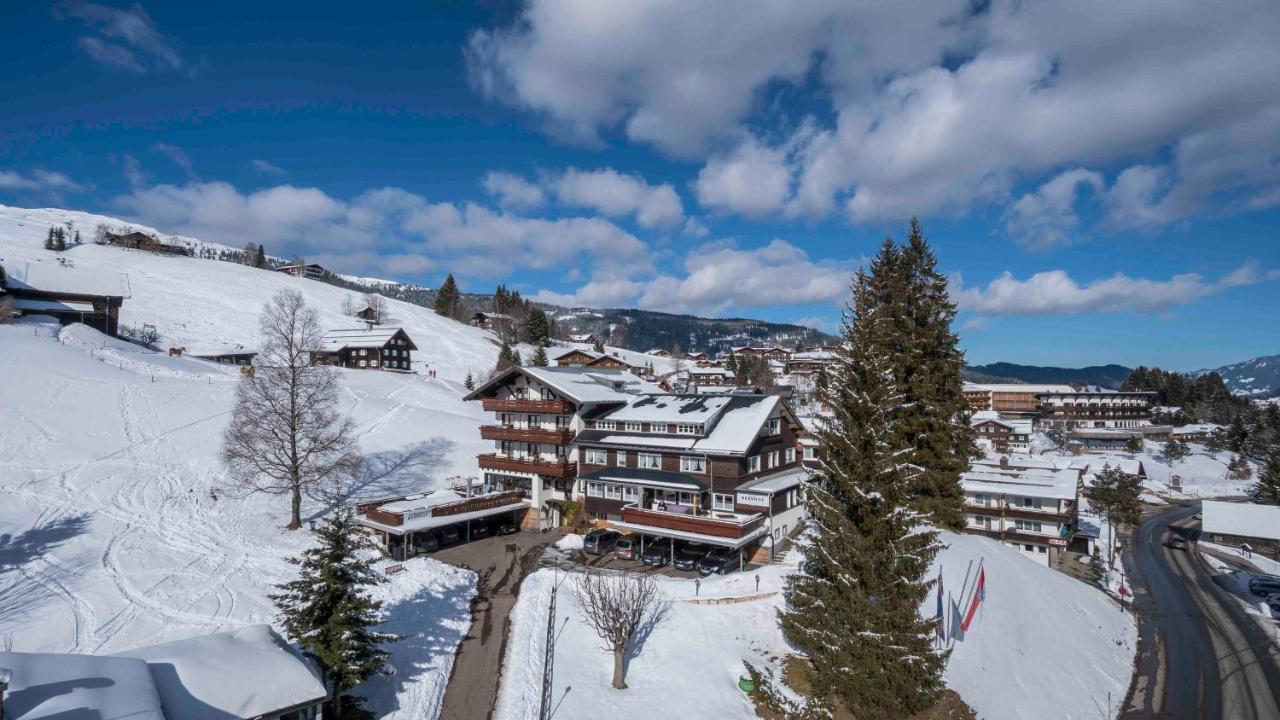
x=1267, y=491
x=448, y=297
x=853, y=607
x=328, y=610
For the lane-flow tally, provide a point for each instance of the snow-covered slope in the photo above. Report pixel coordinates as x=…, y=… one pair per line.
x=1258, y=377
x=1044, y=645
x=207, y=303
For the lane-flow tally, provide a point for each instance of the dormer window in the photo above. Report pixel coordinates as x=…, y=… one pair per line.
x=687, y=429
x=632, y=427
x=773, y=427
x=658, y=427
x=606, y=425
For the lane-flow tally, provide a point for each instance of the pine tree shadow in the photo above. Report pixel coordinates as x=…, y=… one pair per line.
x=655, y=618
x=24, y=589
x=432, y=622
x=416, y=468
x=44, y=536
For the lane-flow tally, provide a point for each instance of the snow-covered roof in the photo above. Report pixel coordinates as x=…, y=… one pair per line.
x=671, y=408
x=1056, y=484
x=1196, y=429
x=1019, y=388
x=335, y=340
x=425, y=501
x=739, y=425
x=425, y=521
x=57, y=686
x=716, y=371
x=591, y=385
x=1246, y=519
x=54, y=277
x=242, y=673
x=735, y=422
x=582, y=337
x=819, y=355
x=777, y=483
x=36, y=306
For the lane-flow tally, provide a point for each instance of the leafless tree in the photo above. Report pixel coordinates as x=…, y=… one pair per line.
x=348, y=305
x=618, y=606
x=6, y=311
x=377, y=307
x=286, y=432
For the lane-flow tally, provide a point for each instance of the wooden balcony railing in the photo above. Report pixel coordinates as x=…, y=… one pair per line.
x=552, y=468
x=551, y=436
x=1026, y=513
x=527, y=405
x=734, y=526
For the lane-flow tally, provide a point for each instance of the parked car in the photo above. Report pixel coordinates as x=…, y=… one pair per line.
x=425, y=543
x=505, y=527
x=657, y=553
x=599, y=542
x=1176, y=542
x=480, y=530
x=627, y=548
x=448, y=535
x=688, y=556
x=1264, y=585
x=720, y=561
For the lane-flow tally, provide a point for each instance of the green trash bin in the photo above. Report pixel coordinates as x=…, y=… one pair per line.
x=747, y=684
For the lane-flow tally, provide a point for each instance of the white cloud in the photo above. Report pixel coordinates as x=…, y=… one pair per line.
x=39, y=181
x=178, y=156
x=1028, y=91
x=612, y=193
x=513, y=191
x=266, y=168
x=125, y=39
x=1047, y=217
x=718, y=277
x=1054, y=292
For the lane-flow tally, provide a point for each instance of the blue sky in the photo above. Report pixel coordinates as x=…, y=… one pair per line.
x=1101, y=181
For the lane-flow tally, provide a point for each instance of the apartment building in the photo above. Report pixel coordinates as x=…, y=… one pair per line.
x=1009, y=399
x=999, y=435
x=1030, y=509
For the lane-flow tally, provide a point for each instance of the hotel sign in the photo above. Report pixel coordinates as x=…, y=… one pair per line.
x=756, y=499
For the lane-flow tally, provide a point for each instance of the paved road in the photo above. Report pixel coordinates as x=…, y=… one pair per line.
x=501, y=563
x=1199, y=655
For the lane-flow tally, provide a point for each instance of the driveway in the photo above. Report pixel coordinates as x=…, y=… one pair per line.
x=501, y=564
x=1198, y=654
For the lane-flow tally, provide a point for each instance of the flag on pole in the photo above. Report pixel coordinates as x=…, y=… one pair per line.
x=941, y=627
x=957, y=630
x=979, y=594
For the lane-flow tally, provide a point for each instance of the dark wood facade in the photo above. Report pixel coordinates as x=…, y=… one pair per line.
x=395, y=354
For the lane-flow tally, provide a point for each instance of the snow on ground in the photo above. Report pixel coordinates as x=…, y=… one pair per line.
x=116, y=529
x=1037, y=623
x=1262, y=562
x=1203, y=474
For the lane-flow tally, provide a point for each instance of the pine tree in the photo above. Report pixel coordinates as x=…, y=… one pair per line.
x=1175, y=450
x=515, y=358
x=853, y=607
x=1133, y=444
x=48, y=240
x=77, y=239
x=536, y=328
x=539, y=357
x=470, y=382
x=1267, y=490
x=1237, y=434
x=1119, y=498
x=506, y=357
x=328, y=610
x=260, y=260
x=597, y=345
x=448, y=297
x=1216, y=442
x=60, y=240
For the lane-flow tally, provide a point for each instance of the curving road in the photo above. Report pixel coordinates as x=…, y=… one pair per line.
x=1199, y=655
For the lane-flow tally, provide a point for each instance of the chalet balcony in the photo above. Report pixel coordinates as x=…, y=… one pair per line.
x=514, y=463
x=1017, y=511
x=730, y=525
x=527, y=405
x=1014, y=535
x=515, y=433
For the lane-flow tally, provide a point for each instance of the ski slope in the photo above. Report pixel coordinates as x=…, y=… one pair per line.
x=116, y=525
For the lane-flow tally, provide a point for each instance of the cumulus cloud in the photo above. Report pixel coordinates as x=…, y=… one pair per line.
x=1054, y=292
x=513, y=191
x=934, y=107
x=720, y=276
x=126, y=39
x=1047, y=217
x=39, y=181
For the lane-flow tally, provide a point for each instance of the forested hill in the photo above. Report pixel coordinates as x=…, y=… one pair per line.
x=1109, y=376
x=644, y=330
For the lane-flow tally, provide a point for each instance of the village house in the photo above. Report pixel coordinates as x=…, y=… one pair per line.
x=1030, y=509
x=401, y=524
x=1001, y=436
x=1195, y=432
x=1010, y=399
x=1243, y=525
x=709, y=376
x=245, y=673
x=311, y=271
x=586, y=338
x=66, y=293
x=136, y=240
x=1097, y=420
x=721, y=469
x=537, y=413
x=774, y=352
x=576, y=358
x=370, y=348
x=658, y=352
x=224, y=354
x=497, y=322
x=809, y=362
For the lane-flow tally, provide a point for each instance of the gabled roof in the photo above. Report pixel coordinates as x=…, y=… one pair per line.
x=336, y=340
x=68, y=279
x=1247, y=519
x=578, y=384
x=88, y=686
x=735, y=422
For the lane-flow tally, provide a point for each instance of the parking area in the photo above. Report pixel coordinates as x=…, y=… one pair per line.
x=436, y=539
x=670, y=558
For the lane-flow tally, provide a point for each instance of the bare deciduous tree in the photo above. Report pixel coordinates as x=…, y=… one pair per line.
x=377, y=307
x=6, y=311
x=286, y=432
x=617, y=606
x=348, y=305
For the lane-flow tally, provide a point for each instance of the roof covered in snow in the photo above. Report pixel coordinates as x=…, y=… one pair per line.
x=1055, y=484
x=734, y=422
x=1018, y=388
x=378, y=337
x=61, y=687
x=671, y=408
x=1246, y=519
x=55, y=277
x=242, y=673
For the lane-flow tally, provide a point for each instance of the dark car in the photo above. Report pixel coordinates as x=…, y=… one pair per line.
x=688, y=556
x=505, y=527
x=425, y=543
x=480, y=530
x=720, y=561
x=599, y=542
x=656, y=553
x=448, y=535
x=1264, y=585
x=1176, y=542
x=627, y=548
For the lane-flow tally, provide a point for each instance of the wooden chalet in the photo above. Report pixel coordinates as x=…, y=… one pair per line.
x=136, y=240
x=61, y=291
x=498, y=322
x=239, y=355
x=366, y=349
x=310, y=271
x=575, y=358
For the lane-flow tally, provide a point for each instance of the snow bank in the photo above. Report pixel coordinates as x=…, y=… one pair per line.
x=1043, y=645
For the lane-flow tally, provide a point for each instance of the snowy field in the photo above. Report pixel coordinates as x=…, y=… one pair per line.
x=1203, y=474
x=1037, y=624
x=116, y=529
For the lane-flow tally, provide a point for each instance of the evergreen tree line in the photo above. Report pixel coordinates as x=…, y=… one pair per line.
x=1204, y=398
x=56, y=240
x=894, y=447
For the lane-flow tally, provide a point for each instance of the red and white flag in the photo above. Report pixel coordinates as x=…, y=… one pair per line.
x=979, y=594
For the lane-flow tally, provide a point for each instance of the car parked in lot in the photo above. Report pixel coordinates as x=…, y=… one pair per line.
x=720, y=561
x=1265, y=585
x=425, y=543
x=1176, y=542
x=627, y=548
x=687, y=557
x=599, y=542
x=505, y=527
x=480, y=530
x=448, y=535
x=657, y=553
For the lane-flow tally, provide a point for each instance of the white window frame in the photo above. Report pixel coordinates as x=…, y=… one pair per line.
x=620, y=458
x=773, y=426
x=631, y=426
x=648, y=461
x=693, y=464
x=686, y=429
x=595, y=489
x=631, y=493
x=364, y=363
x=595, y=456
x=657, y=427
x=789, y=455
x=723, y=503
x=753, y=464
x=606, y=425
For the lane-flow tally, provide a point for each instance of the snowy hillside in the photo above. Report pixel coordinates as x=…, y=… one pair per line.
x=197, y=303
x=1044, y=645
x=1258, y=377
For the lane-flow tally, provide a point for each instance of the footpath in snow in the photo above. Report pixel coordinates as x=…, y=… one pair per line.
x=1043, y=645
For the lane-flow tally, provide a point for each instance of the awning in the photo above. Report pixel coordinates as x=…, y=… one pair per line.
x=37, y=306
x=428, y=522
x=696, y=537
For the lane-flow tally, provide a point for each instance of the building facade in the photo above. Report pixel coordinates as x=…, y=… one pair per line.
x=1030, y=509
x=366, y=349
x=1109, y=409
